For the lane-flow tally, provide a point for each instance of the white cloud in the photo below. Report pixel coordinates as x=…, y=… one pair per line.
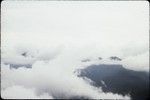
x=58, y=35
x=139, y=62
x=55, y=78
x=19, y=92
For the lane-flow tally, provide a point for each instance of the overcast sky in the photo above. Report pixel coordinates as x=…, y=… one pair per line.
x=95, y=28
x=113, y=23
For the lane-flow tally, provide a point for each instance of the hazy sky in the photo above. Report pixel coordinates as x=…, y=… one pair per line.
x=95, y=28
x=113, y=23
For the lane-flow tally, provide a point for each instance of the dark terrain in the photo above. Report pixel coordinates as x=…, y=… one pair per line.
x=119, y=80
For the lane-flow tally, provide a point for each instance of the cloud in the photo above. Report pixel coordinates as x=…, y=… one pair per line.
x=19, y=92
x=138, y=62
x=54, y=78
x=56, y=37
x=53, y=69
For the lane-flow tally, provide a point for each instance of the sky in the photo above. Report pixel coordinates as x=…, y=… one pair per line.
x=65, y=32
x=77, y=21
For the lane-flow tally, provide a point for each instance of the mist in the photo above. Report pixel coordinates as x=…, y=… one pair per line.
x=44, y=43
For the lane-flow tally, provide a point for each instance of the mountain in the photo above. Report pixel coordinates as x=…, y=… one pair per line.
x=117, y=79
x=115, y=58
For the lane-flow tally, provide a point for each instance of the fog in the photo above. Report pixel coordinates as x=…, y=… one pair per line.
x=55, y=36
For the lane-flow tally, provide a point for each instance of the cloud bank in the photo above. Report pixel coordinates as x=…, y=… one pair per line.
x=52, y=79
x=56, y=42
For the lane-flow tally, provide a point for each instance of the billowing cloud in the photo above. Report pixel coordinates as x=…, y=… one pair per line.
x=18, y=92
x=56, y=80
x=54, y=38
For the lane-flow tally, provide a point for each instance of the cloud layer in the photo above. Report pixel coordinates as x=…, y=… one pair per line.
x=54, y=38
x=53, y=78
